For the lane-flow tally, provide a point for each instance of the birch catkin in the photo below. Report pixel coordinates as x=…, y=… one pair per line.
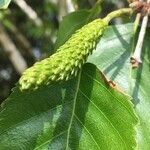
x=67, y=60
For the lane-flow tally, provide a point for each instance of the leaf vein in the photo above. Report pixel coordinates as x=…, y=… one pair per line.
x=104, y=117
x=87, y=131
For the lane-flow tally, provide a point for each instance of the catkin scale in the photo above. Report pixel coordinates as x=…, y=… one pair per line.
x=67, y=60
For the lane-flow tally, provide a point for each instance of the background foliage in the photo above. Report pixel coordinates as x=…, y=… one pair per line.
x=32, y=39
x=63, y=102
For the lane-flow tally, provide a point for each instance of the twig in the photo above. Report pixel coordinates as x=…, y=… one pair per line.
x=136, y=58
x=14, y=55
x=65, y=7
x=21, y=39
x=137, y=22
x=29, y=12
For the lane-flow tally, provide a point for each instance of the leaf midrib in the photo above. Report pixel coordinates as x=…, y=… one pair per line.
x=73, y=109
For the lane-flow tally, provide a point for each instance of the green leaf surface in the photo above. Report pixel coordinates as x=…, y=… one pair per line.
x=112, y=57
x=4, y=4
x=73, y=22
x=84, y=113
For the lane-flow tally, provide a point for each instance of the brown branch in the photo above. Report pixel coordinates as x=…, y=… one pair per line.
x=14, y=55
x=65, y=7
x=21, y=39
x=29, y=12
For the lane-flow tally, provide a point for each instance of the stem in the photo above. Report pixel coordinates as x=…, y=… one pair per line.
x=99, y=1
x=138, y=50
x=118, y=13
x=136, y=58
x=137, y=22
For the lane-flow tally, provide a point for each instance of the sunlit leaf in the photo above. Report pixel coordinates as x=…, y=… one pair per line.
x=85, y=113
x=112, y=56
x=4, y=4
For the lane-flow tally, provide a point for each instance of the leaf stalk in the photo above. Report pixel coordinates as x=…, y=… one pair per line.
x=118, y=13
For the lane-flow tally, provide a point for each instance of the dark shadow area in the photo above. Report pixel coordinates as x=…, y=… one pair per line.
x=138, y=71
x=148, y=52
x=74, y=105
x=147, y=45
x=119, y=63
x=43, y=109
x=135, y=92
x=34, y=108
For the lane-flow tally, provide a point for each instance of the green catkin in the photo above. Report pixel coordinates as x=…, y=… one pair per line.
x=67, y=60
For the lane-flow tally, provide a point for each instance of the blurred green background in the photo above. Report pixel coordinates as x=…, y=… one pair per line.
x=28, y=31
